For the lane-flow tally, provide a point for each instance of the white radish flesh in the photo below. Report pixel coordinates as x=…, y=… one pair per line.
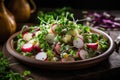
x=36, y=33
x=78, y=43
x=32, y=41
x=28, y=47
x=83, y=54
x=27, y=36
x=41, y=56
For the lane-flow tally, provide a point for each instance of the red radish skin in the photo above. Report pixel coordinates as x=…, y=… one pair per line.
x=37, y=47
x=80, y=36
x=57, y=48
x=28, y=47
x=41, y=56
x=78, y=43
x=83, y=54
x=93, y=46
x=53, y=28
x=27, y=36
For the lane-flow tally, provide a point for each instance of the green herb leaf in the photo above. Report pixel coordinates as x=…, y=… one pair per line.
x=1, y=54
x=26, y=73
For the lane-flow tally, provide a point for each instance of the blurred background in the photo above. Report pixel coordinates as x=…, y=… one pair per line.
x=107, y=5
x=79, y=4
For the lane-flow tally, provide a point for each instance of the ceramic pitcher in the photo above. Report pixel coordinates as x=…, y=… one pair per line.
x=22, y=9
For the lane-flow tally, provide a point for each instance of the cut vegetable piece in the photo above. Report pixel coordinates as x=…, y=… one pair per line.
x=74, y=32
x=36, y=33
x=50, y=38
x=93, y=46
x=67, y=59
x=28, y=47
x=80, y=36
x=57, y=48
x=67, y=38
x=37, y=29
x=37, y=47
x=106, y=21
x=55, y=59
x=53, y=28
x=78, y=42
x=27, y=36
x=32, y=41
x=83, y=54
x=41, y=56
x=50, y=31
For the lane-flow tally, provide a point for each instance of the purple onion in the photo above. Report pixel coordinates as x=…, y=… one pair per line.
x=105, y=20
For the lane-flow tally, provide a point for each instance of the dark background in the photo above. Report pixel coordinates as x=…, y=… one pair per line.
x=81, y=4
x=78, y=4
x=75, y=4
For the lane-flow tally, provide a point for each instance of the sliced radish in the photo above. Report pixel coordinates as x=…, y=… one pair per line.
x=67, y=59
x=53, y=28
x=57, y=48
x=41, y=56
x=32, y=41
x=37, y=47
x=80, y=36
x=50, y=31
x=28, y=47
x=78, y=43
x=50, y=38
x=93, y=46
x=36, y=33
x=83, y=54
x=27, y=36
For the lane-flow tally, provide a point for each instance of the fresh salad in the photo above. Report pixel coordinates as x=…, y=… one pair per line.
x=59, y=37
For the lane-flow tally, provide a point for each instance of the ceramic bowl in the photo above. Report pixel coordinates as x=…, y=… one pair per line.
x=71, y=65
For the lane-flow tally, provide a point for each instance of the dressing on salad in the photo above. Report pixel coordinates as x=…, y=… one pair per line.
x=59, y=37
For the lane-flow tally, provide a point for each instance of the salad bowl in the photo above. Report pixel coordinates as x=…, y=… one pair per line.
x=58, y=65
